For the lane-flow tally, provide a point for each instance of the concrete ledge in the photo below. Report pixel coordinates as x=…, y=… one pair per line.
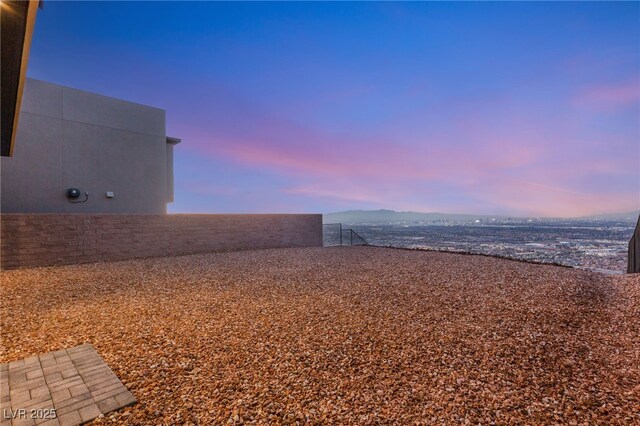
x=30, y=240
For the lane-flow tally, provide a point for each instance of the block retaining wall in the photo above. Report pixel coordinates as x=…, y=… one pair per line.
x=55, y=239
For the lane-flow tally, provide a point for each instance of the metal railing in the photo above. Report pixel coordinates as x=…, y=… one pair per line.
x=333, y=234
x=633, y=265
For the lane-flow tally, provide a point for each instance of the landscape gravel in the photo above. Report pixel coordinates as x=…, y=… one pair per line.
x=342, y=335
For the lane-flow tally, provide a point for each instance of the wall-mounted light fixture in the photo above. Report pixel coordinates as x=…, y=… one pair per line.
x=73, y=194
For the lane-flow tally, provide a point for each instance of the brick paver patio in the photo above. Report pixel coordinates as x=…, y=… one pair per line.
x=66, y=387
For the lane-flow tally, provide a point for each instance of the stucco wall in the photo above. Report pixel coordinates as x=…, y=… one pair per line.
x=55, y=239
x=71, y=138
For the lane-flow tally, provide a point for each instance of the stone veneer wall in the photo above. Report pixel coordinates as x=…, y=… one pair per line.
x=56, y=239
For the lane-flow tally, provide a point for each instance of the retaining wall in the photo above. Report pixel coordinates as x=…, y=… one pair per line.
x=55, y=239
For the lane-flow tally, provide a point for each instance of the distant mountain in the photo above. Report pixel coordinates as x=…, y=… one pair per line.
x=392, y=216
x=627, y=216
x=387, y=216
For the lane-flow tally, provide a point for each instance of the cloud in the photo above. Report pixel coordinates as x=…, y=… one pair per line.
x=489, y=158
x=611, y=96
x=533, y=198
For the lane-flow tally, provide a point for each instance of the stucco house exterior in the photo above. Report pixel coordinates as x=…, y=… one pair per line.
x=80, y=152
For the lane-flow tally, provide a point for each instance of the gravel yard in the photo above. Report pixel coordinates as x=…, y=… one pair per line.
x=342, y=335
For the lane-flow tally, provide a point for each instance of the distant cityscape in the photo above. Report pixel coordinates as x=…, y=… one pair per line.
x=593, y=244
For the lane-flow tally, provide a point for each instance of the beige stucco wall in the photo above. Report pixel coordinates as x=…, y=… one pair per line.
x=71, y=138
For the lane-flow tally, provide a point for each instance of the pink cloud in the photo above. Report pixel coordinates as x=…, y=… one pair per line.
x=291, y=148
x=611, y=96
x=533, y=198
x=347, y=193
x=484, y=160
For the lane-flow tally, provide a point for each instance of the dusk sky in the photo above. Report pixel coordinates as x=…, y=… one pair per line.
x=488, y=108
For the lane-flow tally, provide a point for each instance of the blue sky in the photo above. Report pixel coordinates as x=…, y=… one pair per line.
x=497, y=108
